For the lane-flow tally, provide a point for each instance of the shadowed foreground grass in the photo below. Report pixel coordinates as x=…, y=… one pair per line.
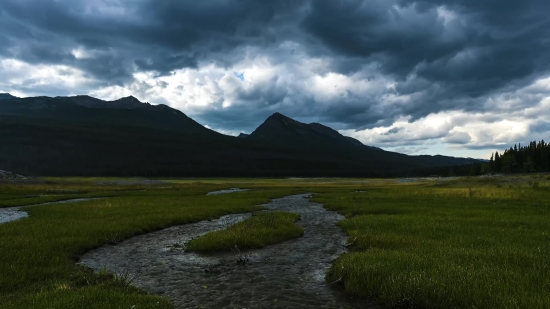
x=258, y=231
x=464, y=244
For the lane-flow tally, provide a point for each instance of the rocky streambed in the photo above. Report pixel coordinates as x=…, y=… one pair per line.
x=286, y=275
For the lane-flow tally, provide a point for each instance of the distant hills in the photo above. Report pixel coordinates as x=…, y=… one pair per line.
x=85, y=136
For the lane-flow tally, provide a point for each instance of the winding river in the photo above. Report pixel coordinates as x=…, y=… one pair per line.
x=286, y=275
x=14, y=213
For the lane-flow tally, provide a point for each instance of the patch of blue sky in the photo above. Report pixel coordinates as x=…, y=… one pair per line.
x=239, y=75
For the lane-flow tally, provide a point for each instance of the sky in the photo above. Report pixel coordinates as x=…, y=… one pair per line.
x=457, y=77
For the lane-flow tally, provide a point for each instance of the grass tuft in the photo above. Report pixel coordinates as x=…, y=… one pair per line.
x=257, y=231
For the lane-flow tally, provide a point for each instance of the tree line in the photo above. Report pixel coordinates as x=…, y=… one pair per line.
x=534, y=157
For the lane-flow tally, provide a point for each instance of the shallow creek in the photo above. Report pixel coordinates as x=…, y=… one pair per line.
x=232, y=190
x=14, y=213
x=286, y=275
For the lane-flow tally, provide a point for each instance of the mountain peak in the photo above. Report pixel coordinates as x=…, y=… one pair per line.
x=129, y=102
x=281, y=129
x=279, y=119
x=277, y=116
x=7, y=96
x=130, y=98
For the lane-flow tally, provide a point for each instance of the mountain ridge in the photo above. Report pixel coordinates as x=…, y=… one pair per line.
x=82, y=135
x=281, y=129
x=7, y=96
x=127, y=111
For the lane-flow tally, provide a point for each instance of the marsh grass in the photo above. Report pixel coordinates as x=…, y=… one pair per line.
x=258, y=231
x=38, y=254
x=466, y=243
x=463, y=244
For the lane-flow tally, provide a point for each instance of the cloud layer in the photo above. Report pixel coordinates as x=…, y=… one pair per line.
x=416, y=76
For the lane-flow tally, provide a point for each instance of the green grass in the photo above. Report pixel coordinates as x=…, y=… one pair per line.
x=39, y=253
x=258, y=231
x=465, y=244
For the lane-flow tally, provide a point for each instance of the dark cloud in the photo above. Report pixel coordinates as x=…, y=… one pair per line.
x=393, y=131
x=170, y=62
x=458, y=138
x=447, y=64
x=398, y=37
x=144, y=35
x=434, y=55
x=540, y=127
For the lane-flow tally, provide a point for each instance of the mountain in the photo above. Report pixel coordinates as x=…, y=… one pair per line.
x=439, y=160
x=85, y=110
x=6, y=96
x=282, y=130
x=129, y=102
x=85, y=136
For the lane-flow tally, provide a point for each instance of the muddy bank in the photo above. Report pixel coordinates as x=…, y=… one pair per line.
x=14, y=213
x=286, y=275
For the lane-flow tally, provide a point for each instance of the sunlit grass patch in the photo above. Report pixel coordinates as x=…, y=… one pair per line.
x=257, y=231
x=468, y=245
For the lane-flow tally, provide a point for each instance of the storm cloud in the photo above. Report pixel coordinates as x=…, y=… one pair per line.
x=471, y=75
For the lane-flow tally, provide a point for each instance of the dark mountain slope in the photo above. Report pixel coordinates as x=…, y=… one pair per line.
x=439, y=160
x=282, y=130
x=85, y=136
x=6, y=96
x=279, y=130
x=122, y=103
x=86, y=110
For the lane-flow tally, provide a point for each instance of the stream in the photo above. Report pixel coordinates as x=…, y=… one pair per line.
x=9, y=214
x=286, y=275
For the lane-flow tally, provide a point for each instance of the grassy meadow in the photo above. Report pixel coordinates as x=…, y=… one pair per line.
x=470, y=243
x=39, y=253
x=462, y=243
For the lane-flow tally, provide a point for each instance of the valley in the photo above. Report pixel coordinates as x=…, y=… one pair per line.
x=395, y=243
